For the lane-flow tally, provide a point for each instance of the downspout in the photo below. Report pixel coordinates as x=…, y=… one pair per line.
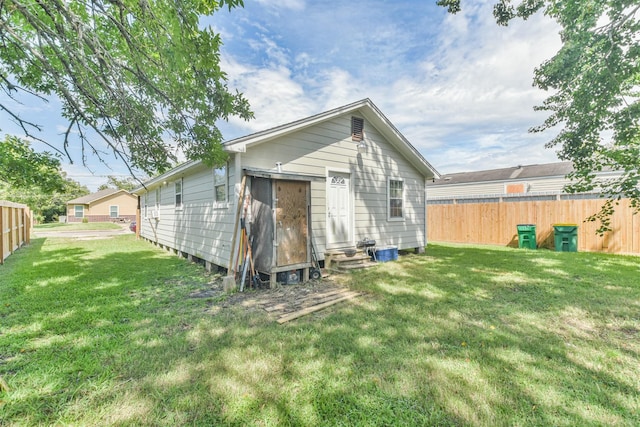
x=138, y=223
x=426, y=217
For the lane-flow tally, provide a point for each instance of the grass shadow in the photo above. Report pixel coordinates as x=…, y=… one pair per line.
x=456, y=336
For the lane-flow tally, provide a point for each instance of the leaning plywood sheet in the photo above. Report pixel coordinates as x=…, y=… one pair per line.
x=291, y=222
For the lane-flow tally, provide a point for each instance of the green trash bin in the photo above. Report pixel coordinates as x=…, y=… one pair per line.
x=565, y=237
x=527, y=236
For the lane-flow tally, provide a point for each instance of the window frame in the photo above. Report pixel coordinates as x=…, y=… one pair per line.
x=158, y=201
x=220, y=180
x=179, y=195
x=117, y=211
x=75, y=211
x=390, y=209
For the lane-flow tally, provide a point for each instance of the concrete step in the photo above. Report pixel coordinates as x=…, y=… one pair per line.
x=339, y=260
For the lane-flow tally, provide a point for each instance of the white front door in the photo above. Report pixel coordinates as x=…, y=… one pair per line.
x=339, y=218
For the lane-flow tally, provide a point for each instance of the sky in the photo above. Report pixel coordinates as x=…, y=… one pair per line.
x=458, y=87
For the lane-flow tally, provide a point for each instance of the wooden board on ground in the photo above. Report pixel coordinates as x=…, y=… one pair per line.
x=305, y=300
x=313, y=308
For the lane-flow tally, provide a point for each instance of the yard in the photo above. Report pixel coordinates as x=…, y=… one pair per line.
x=117, y=332
x=76, y=226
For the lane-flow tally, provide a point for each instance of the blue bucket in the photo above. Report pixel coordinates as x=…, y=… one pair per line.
x=386, y=253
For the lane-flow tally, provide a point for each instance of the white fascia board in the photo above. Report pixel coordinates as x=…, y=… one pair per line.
x=167, y=176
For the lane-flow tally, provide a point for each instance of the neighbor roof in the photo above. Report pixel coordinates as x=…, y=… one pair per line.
x=90, y=198
x=506, y=174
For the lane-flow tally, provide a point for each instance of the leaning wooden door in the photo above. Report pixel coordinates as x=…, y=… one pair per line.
x=262, y=223
x=291, y=222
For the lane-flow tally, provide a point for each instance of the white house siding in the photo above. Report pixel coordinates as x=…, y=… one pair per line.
x=327, y=146
x=201, y=227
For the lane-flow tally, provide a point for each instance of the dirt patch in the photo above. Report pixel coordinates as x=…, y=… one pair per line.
x=275, y=302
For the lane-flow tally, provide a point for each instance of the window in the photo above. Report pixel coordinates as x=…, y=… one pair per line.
x=113, y=211
x=357, y=128
x=220, y=184
x=179, y=193
x=79, y=211
x=158, y=200
x=395, y=192
x=515, y=188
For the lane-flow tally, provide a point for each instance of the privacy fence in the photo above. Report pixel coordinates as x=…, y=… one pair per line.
x=15, y=227
x=494, y=220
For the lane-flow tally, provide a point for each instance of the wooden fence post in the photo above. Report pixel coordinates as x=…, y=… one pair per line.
x=1, y=234
x=15, y=227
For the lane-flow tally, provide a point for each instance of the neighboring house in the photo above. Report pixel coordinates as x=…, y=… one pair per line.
x=486, y=207
x=333, y=179
x=520, y=181
x=105, y=205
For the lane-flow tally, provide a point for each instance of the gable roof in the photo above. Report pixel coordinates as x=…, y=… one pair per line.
x=506, y=174
x=364, y=107
x=93, y=197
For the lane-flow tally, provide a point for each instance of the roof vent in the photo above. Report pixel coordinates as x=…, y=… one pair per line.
x=516, y=172
x=357, y=128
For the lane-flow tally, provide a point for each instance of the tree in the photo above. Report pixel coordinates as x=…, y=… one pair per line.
x=35, y=179
x=133, y=72
x=595, y=79
x=21, y=167
x=46, y=207
x=128, y=183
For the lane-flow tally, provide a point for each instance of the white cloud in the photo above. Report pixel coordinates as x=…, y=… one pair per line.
x=283, y=4
x=458, y=86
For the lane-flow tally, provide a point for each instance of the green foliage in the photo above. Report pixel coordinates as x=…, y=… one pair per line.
x=135, y=73
x=46, y=207
x=595, y=83
x=23, y=168
x=117, y=331
x=128, y=183
x=35, y=179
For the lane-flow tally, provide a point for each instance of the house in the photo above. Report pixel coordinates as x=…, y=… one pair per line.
x=104, y=205
x=311, y=186
x=540, y=180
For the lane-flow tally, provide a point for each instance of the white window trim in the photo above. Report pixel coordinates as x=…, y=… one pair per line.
x=224, y=204
x=75, y=211
x=404, y=206
x=143, y=203
x=117, y=211
x=158, y=201
x=175, y=194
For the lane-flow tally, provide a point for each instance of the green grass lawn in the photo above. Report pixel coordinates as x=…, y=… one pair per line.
x=103, y=332
x=76, y=226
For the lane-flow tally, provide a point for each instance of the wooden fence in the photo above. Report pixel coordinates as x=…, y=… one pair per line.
x=496, y=223
x=15, y=227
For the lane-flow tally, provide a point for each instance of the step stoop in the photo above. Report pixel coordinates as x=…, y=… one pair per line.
x=338, y=260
